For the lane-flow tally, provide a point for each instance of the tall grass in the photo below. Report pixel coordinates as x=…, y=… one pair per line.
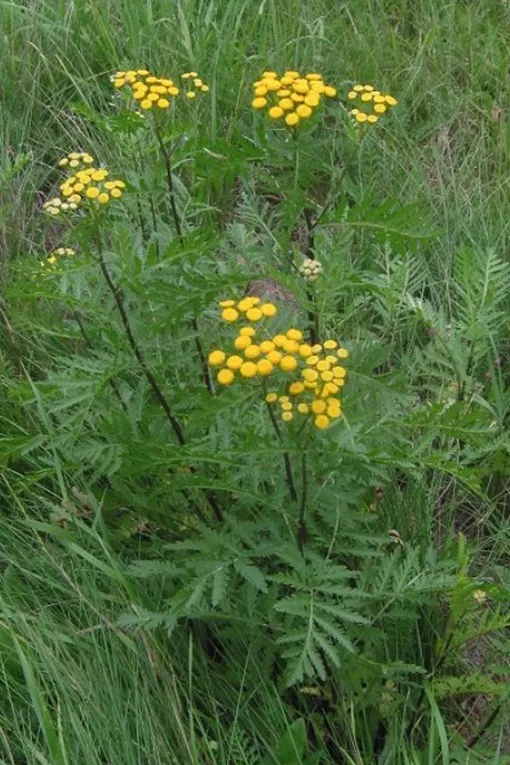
x=447, y=62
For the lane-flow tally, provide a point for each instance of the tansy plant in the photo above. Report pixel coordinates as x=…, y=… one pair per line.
x=226, y=513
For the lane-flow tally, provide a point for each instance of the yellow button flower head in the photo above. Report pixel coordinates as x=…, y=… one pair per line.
x=305, y=350
x=281, y=94
x=225, y=377
x=252, y=352
x=310, y=375
x=292, y=119
x=303, y=111
x=268, y=309
x=279, y=340
x=266, y=346
x=275, y=112
x=288, y=363
x=235, y=362
x=374, y=103
x=291, y=346
x=254, y=314
x=248, y=369
x=245, y=304
x=216, y=358
x=287, y=416
x=274, y=357
x=318, y=406
x=264, y=367
x=242, y=342
x=296, y=388
x=229, y=314
x=271, y=398
x=322, y=422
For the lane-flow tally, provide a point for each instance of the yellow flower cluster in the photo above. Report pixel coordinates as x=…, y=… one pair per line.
x=150, y=91
x=291, y=96
x=316, y=393
x=51, y=262
x=88, y=183
x=373, y=103
x=56, y=206
x=197, y=84
x=316, y=370
x=76, y=159
x=252, y=307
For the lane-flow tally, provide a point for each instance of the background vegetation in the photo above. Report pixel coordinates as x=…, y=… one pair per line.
x=119, y=642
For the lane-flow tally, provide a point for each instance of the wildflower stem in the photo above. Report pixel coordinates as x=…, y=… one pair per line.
x=286, y=457
x=118, y=297
x=169, y=180
x=302, y=530
x=178, y=227
x=140, y=170
x=313, y=313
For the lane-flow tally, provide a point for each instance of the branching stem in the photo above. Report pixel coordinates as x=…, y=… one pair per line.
x=178, y=227
x=160, y=396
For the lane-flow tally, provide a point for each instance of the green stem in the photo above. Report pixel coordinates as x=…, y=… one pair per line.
x=119, y=301
x=178, y=227
x=289, y=476
x=169, y=180
x=302, y=530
